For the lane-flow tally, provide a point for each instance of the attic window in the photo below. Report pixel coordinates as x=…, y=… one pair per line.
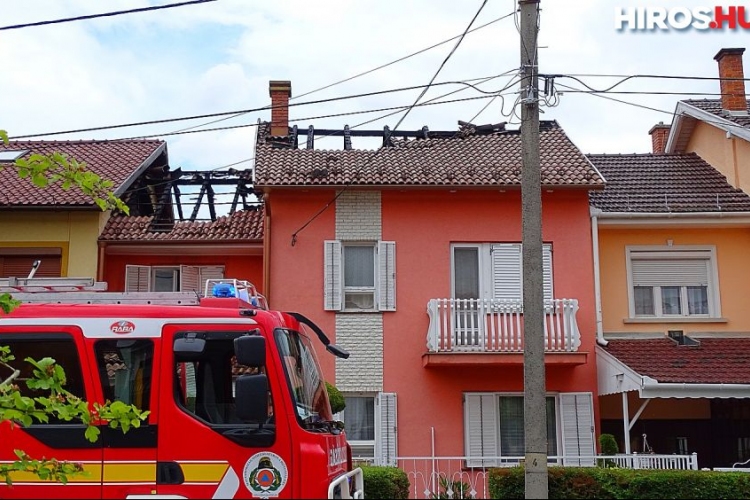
x=11, y=155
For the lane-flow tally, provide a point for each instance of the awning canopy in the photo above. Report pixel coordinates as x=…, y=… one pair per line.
x=661, y=368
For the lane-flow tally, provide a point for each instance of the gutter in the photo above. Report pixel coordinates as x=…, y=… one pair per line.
x=671, y=215
x=673, y=390
x=595, y=213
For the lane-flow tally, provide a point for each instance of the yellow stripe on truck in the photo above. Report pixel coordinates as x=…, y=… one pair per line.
x=130, y=472
x=204, y=473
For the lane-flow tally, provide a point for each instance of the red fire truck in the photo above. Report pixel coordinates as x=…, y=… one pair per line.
x=238, y=405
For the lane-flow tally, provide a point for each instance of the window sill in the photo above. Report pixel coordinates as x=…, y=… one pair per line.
x=359, y=311
x=683, y=319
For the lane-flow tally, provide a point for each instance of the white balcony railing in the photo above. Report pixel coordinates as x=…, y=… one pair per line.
x=488, y=325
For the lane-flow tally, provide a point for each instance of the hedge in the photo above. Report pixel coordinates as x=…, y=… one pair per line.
x=594, y=482
x=385, y=482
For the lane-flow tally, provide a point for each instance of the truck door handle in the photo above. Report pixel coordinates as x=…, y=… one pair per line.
x=169, y=473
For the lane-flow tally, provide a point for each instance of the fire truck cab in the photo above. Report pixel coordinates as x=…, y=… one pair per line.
x=238, y=405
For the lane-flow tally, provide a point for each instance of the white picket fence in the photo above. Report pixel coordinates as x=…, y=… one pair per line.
x=430, y=477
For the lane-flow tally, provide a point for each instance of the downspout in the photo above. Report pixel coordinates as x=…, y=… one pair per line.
x=100, y=261
x=266, y=248
x=597, y=285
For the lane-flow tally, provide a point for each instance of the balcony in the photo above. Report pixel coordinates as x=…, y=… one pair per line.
x=467, y=332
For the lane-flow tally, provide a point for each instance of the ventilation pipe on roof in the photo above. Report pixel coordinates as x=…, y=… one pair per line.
x=597, y=285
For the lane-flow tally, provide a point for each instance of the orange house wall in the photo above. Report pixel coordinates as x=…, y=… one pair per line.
x=424, y=224
x=248, y=267
x=733, y=267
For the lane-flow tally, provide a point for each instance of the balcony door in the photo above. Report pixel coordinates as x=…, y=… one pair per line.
x=468, y=322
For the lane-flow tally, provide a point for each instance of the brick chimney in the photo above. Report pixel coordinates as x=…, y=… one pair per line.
x=280, y=92
x=732, y=91
x=659, y=134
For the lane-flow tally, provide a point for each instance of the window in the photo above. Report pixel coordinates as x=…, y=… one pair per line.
x=60, y=347
x=125, y=370
x=370, y=422
x=204, y=388
x=11, y=155
x=359, y=276
x=170, y=278
x=672, y=282
x=494, y=427
x=494, y=271
x=359, y=423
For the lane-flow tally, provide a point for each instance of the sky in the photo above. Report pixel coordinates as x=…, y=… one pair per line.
x=219, y=56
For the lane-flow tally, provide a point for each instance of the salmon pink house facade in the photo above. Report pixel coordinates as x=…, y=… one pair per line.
x=410, y=258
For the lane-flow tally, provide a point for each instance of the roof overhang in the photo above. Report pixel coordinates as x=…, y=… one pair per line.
x=198, y=247
x=141, y=168
x=682, y=126
x=615, y=377
x=672, y=219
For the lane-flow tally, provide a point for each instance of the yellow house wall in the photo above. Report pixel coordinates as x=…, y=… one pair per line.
x=731, y=157
x=731, y=260
x=75, y=233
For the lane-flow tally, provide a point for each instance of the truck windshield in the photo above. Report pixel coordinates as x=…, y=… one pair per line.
x=304, y=377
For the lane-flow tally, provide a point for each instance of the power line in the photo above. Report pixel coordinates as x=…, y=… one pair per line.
x=442, y=65
x=350, y=78
x=374, y=155
x=235, y=112
x=405, y=57
x=105, y=14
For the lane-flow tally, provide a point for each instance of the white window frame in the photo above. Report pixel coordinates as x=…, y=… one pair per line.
x=384, y=273
x=175, y=277
x=675, y=252
x=486, y=272
x=363, y=443
x=372, y=245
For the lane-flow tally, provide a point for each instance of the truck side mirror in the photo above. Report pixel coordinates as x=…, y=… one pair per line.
x=251, y=398
x=250, y=350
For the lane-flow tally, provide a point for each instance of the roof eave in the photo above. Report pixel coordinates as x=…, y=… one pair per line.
x=684, y=109
x=129, y=180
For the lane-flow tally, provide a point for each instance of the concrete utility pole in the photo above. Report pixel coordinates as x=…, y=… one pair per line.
x=534, y=386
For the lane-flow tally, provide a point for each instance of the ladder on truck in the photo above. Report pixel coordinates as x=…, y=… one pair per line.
x=86, y=291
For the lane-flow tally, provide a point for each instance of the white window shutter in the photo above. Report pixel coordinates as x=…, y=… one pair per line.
x=387, y=275
x=209, y=273
x=480, y=430
x=189, y=279
x=386, y=429
x=137, y=278
x=577, y=412
x=547, y=270
x=332, y=275
x=506, y=272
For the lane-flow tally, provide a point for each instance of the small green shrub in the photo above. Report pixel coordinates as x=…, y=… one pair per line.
x=455, y=490
x=385, y=482
x=608, y=444
x=338, y=403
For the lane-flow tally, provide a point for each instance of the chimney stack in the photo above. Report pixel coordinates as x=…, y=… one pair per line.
x=659, y=134
x=732, y=91
x=280, y=92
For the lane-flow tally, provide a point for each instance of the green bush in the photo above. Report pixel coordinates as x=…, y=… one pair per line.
x=385, y=482
x=592, y=482
x=338, y=403
x=608, y=444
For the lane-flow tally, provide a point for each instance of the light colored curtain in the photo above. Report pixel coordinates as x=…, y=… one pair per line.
x=359, y=418
x=359, y=266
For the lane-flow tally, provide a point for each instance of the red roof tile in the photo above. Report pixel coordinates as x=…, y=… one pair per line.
x=116, y=161
x=245, y=225
x=714, y=361
x=467, y=159
x=664, y=183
